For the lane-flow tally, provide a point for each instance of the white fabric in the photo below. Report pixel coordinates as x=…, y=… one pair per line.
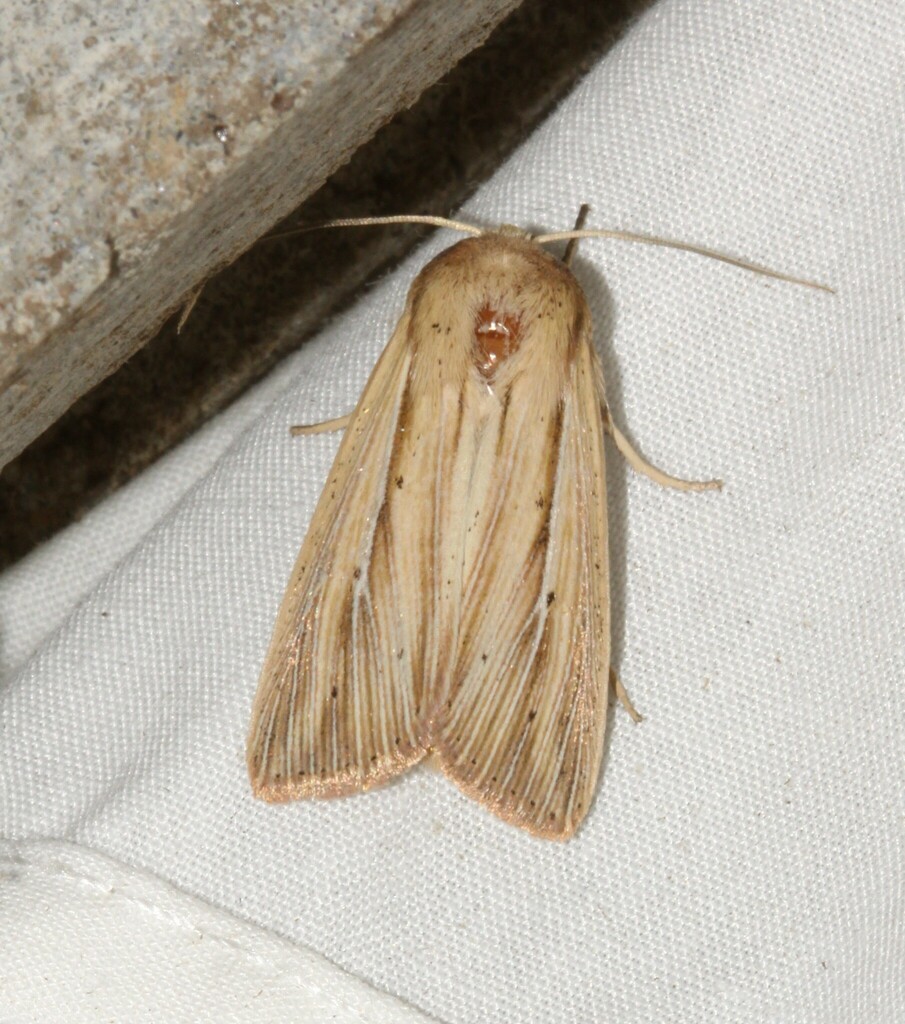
x=743, y=859
x=89, y=940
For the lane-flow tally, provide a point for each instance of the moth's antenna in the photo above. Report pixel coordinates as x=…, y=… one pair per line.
x=669, y=243
x=361, y=222
x=583, y=212
x=572, y=237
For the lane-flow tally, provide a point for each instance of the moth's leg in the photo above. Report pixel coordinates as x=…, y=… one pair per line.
x=583, y=212
x=340, y=423
x=640, y=465
x=624, y=699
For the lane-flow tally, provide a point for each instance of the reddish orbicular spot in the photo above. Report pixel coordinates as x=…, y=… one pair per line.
x=497, y=336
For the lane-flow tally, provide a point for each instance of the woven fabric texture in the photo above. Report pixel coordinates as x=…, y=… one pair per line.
x=90, y=940
x=743, y=859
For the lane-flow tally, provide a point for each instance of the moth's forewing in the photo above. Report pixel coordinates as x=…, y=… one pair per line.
x=519, y=721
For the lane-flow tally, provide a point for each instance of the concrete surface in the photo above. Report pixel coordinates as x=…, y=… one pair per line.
x=428, y=158
x=146, y=145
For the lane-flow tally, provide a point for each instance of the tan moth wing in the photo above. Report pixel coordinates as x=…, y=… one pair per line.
x=451, y=593
x=520, y=722
x=366, y=629
x=339, y=701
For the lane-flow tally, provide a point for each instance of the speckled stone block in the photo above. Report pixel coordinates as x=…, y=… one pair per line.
x=143, y=146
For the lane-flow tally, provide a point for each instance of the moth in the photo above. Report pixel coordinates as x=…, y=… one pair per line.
x=451, y=595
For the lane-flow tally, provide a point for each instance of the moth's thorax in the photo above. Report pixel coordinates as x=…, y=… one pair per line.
x=487, y=300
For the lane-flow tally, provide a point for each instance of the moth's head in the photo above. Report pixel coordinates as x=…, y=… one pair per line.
x=512, y=231
x=509, y=257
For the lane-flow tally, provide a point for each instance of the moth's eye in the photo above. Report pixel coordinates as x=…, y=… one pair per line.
x=497, y=336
